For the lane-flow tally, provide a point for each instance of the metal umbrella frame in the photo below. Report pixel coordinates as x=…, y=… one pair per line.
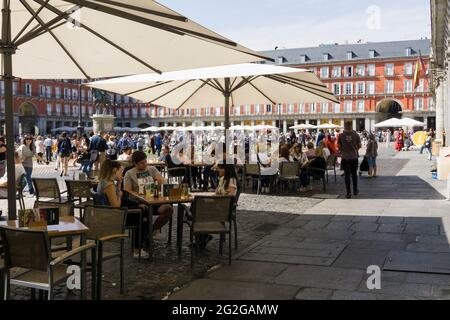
x=60, y=57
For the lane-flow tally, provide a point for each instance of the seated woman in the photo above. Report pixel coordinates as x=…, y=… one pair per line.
x=323, y=151
x=296, y=152
x=228, y=186
x=109, y=194
x=317, y=165
x=311, y=153
x=284, y=154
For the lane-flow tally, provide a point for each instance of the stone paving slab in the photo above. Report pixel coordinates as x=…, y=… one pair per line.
x=361, y=258
x=209, y=289
x=313, y=294
x=321, y=277
x=418, y=262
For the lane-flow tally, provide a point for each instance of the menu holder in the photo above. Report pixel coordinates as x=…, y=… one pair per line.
x=31, y=218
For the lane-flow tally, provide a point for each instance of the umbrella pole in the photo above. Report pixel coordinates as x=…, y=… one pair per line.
x=80, y=117
x=227, y=95
x=7, y=50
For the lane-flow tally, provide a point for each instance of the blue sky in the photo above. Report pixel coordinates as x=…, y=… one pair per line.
x=264, y=24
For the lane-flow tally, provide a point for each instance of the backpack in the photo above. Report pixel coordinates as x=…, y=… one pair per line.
x=111, y=151
x=65, y=147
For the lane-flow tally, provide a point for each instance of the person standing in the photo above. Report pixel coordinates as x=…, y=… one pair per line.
x=97, y=148
x=428, y=147
x=372, y=154
x=349, y=145
x=64, y=152
x=39, y=144
x=2, y=156
x=26, y=152
x=48, y=148
x=388, y=138
x=158, y=144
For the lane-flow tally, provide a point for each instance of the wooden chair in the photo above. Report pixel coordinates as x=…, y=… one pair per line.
x=331, y=166
x=211, y=215
x=30, y=250
x=48, y=188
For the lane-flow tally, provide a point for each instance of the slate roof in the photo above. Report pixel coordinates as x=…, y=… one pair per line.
x=338, y=53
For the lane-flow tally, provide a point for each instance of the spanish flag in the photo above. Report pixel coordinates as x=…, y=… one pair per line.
x=420, y=71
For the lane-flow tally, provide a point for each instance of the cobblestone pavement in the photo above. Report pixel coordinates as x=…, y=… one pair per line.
x=305, y=247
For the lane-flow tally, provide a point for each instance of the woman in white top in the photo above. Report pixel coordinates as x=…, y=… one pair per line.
x=39, y=146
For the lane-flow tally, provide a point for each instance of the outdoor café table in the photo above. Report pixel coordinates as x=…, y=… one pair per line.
x=68, y=226
x=151, y=202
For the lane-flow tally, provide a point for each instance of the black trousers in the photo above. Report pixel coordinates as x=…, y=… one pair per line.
x=48, y=153
x=351, y=174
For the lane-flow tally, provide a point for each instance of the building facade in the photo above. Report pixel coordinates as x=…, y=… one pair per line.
x=372, y=81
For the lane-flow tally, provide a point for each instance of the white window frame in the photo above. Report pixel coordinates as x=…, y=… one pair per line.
x=312, y=108
x=408, y=86
x=389, y=69
x=58, y=108
x=371, y=70
x=358, y=91
x=371, y=87
x=28, y=89
x=324, y=72
x=389, y=86
x=58, y=92
x=49, y=109
x=348, y=106
x=346, y=86
x=42, y=91
x=301, y=108
x=337, y=86
x=336, y=72
x=325, y=107
x=361, y=106
x=67, y=109
x=337, y=108
x=361, y=70
x=418, y=104
x=408, y=69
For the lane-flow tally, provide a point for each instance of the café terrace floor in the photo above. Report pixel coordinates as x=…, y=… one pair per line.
x=313, y=246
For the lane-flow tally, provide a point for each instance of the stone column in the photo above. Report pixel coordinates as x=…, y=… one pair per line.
x=440, y=101
x=342, y=123
x=367, y=125
x=184, y=124
x=253, y=123
x=285, y=128
x=372, y=124
x=354, y=124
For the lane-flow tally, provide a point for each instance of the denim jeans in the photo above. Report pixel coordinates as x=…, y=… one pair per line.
x=430, y=154
x=29, y=172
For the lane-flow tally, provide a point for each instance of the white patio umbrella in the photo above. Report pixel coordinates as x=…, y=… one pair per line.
x=326, y=126
x=390, y=123
x=216, y=86
x=167, y=128
x=88, y=39
x=150, y=129
x=413, y=123
x=303, y=127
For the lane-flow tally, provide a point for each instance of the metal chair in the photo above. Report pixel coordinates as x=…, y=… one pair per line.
x=106, y=225
x=98, y=202
x=77, y=191
x=211, y=215
x=177, y=174
x=30, y=250
x=331, y=166
x=48, y=188
x=252, y=172
x=289, y=173
x=19, y=192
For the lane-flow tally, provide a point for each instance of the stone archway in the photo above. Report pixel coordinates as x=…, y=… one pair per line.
x=28, y=118
x=143, y=125
x=389, y=108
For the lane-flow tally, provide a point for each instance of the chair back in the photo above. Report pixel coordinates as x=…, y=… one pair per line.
x=78, y=189
x=22, y=184
x=46, y=188
x=252, y=169
x=104, y=221
x=289, y=169
x=65, y=209
x=212, y=209
x=26, y=248
x=176, y=172
x=331, y=162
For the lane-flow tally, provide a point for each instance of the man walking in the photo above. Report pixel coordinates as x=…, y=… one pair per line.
x=97, y=148
x=48, y=142
x=349, y=145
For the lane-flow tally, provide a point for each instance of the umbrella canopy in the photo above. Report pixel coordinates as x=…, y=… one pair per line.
x=405, y=122
x=136, y=36
x=413, y=123
x=303, y=127
x=169, y=128
x=150, y=129
x=86, y=39
x=328, y=126
x=62, y=129
x=209, y=87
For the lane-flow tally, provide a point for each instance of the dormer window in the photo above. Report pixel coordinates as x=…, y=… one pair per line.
x=408, y=52
x=281, y=60
x=350, y=55
x=303, y=58
x=373, y=54
x=326, y=57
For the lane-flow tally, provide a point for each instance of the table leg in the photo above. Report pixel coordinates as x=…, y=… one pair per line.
x=180, y=214
x=83, y=268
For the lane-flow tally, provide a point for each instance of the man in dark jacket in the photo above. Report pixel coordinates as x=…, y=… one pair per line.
x=97, y=149
x=349, y=145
